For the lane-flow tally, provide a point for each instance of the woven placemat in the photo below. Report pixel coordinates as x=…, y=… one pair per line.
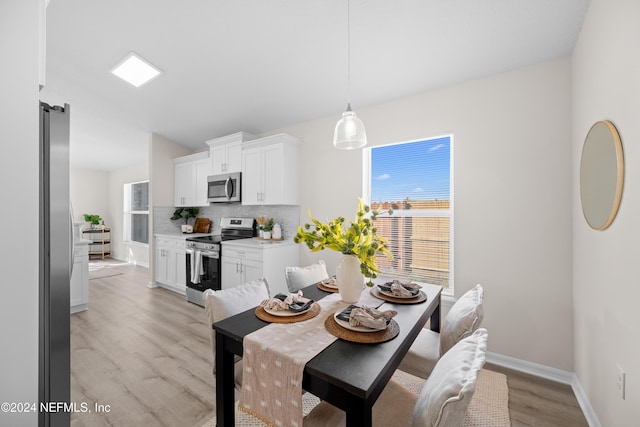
x=326, y=288
x=263, y=315
x=388, y=334
x=422, y=297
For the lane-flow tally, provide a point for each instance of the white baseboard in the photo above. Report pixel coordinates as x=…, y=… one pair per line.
x=542, y=371
x=549, y=373
x=584, y=403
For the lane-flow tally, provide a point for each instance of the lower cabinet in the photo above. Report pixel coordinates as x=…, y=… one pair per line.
x=244, y=262
x=170, y=265
x=79, y=284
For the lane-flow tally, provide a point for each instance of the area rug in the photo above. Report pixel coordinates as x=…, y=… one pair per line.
x=100, y=270
x=309, y=401
x=489, y=406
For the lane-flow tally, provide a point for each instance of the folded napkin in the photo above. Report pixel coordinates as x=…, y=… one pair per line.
x=401, y=289
x=292, y=302
x=366, y=316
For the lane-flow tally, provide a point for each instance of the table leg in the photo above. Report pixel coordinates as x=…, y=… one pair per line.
x=225, y=404
x=434, y=322
x=359, y=415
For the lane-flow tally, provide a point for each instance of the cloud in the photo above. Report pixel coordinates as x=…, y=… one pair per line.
x=418, y=190
x=436, y=147
x=383, y=177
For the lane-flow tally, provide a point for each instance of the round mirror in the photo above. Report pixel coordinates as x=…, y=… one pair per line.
x=601, y=175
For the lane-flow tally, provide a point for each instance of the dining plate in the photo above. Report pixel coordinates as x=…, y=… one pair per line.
x=285, y=313
x=390, y=294
x=346, y=324
x=330, y=283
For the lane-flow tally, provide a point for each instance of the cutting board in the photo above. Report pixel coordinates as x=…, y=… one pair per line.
x=202, y=225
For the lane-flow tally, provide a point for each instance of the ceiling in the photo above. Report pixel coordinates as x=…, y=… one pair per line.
x=256, y=65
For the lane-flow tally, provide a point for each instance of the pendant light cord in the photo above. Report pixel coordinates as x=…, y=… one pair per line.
x=348, y=55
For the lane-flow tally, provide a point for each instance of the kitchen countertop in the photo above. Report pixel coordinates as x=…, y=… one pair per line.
x=182, y=235
x=258, y=243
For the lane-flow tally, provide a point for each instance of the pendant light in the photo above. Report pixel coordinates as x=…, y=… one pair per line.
x=349, y=133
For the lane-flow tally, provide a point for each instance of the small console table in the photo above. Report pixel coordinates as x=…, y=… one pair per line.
x=100, y=246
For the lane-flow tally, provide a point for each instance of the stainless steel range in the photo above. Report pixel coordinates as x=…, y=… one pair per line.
x=203, y=256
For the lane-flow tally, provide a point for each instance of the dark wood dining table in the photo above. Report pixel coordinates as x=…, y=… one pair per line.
x=348, y=375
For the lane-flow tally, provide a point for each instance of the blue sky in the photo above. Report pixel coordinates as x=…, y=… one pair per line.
x=417, y=170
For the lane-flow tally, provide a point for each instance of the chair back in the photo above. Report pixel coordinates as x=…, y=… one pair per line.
x=446, y=394
x=227, y=302
x=464, y=318
x=301, y=277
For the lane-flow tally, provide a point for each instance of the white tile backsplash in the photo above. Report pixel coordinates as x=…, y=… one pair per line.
x=287, y=216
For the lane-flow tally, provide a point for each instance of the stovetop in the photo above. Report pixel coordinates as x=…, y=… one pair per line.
x=214, y=238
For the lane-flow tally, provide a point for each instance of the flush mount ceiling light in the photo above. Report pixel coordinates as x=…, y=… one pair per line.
x=135, y=70
x=349, y=133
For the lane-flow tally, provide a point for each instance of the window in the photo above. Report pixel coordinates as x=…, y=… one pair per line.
x=136, y=212
x=414, y=179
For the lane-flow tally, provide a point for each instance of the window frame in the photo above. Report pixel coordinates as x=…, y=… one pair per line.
x=128, y=215
x=366, y=195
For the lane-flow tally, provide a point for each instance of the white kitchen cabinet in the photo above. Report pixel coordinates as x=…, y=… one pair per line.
x=226, y=152
x=190, y=173
x=251, y=259
x=170, y=266
x=270, y=171
x=79, y=284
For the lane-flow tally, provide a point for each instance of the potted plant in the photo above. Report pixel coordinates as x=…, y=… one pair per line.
x=264, y=224
x=93, y=220
x=358, y=242
x=186, y=214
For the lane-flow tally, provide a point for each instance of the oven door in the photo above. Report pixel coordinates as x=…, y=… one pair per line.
x=209, y=279
x=224, y=188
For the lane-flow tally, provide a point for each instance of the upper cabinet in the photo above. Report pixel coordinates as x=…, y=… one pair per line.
x=270, y=171
x=191, y=174
x=226, y=152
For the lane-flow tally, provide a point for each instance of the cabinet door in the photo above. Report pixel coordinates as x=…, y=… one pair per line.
x=184, y=187
x=170, y=260
x=202, y=171
x=273, y=171
x=231, y=272
x=161, y=265
x=252, y=270
x=234, y=157
x=218, y=155
x=252, y=176
x=181, y=269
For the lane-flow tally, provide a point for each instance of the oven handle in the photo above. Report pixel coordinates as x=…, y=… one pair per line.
x=210, y=254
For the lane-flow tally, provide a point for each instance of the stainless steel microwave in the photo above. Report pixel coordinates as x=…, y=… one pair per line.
x=224, y=188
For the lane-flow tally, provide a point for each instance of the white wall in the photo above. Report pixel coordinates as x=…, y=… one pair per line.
x=161, y=180
x=89, y=193
x=19, y=171
x=512, y=190
x=606, y=85
x=133, y=253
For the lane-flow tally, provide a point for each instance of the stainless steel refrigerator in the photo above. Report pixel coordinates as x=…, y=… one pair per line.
x=56, y=262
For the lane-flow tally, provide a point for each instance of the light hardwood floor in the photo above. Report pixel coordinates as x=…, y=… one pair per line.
x=146, y=353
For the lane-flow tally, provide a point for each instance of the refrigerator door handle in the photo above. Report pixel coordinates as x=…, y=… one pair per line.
x=72, y=249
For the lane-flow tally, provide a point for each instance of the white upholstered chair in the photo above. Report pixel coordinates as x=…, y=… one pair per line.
x=443, y=400
x=301, y=277
x=227, y=302
x=464, y=317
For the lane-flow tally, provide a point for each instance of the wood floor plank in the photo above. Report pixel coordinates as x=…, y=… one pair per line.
x=146, y=353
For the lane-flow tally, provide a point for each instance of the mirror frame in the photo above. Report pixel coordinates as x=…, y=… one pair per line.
x=595, y=168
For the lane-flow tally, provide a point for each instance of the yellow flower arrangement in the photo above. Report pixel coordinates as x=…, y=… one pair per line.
x=358, y=239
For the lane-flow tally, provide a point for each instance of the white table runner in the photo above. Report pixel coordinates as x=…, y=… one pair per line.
x=273, y=365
